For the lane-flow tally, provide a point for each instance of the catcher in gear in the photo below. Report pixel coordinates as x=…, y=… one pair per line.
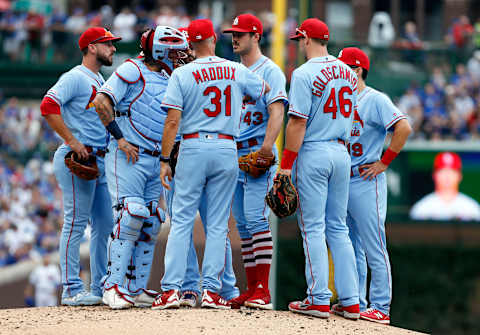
x=282, y=197
x=129, y=107
x=256, y=163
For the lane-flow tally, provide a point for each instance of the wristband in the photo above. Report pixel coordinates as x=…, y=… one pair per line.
x=288, y=158
x=165, y=159
x=388, y=156
x=113, y=129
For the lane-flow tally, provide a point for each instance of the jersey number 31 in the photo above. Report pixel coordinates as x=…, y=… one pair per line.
x=215, y=101
x=331, y=104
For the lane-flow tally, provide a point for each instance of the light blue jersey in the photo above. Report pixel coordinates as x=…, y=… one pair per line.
x=74, y=92
x=136, y=93
x=376, y=114
x=324, y=91
x=255, y=112
x=209, y=92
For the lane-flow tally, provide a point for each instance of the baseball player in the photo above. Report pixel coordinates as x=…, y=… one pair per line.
x=132, y=164
x=446, y=202
x=323, y=94
x=206, y=96
x=367, y=201
x=190, y=290
x=46, y=279
x=259, y=127
x=68, y=109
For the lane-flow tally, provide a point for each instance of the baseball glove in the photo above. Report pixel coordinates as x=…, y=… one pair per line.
x=282, y=197
x=174, y=157
x=83, y=168
x=255, y=164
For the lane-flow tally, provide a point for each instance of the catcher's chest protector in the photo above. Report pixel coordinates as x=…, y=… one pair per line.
x=145, y=113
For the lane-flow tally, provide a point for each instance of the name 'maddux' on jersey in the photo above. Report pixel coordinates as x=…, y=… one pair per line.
x=209, y=92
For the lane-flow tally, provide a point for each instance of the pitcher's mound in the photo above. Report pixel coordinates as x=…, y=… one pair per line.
x=102, y=320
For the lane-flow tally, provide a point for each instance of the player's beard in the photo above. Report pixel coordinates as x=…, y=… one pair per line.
x=105, y=60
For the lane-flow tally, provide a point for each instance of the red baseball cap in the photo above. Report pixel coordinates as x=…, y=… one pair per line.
x=313, y=28
x=355, y=57
x=199, y=30
x=246, y=23
x=447, y=160
x=96, y=35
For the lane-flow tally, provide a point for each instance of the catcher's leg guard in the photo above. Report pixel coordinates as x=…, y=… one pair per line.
x=142, y=257
x=125, y=233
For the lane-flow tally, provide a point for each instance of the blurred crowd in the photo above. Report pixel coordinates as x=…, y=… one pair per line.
x=30, y=201
x=38, y=37
x=447, y=107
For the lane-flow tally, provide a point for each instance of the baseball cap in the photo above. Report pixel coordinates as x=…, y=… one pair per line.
x=246, y=23
x=447, y=160
x=96, y=35
x=355, y=57
x=313, y=28
x=199, y=30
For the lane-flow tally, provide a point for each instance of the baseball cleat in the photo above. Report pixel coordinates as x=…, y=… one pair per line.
x=374, y=315
x=305, y=307
x=260, y=299
x=169, y=299
x=146, y=298
x=117, y=298
x=348, y=312
x=213, y=300
x=239, y=301
x=82, y=299
x=189, y=299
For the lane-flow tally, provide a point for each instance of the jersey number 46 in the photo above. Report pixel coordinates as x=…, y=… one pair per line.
x=215, y=100
x=331, y=104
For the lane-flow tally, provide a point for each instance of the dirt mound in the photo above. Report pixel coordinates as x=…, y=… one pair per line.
x=101, y=320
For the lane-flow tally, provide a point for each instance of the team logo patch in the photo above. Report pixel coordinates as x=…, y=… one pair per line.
x=235, y=22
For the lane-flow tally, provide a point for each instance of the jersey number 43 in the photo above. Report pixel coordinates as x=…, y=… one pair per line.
x=215, y=100
x=331, y=104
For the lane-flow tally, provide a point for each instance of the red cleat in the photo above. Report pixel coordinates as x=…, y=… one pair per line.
x=305, y=307
x=348, y=312
x=375, y=315
x=169, y=299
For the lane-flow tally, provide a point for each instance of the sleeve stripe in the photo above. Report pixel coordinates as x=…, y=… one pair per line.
x=172, y=106
x=395, y=120
x=298, y=114
x=278, y=97
x=50, y=95
x=109, y=93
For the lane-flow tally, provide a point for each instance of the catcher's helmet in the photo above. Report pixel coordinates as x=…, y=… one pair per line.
x=164, y=44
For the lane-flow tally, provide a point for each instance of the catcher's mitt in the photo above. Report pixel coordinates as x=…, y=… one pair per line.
x=255, y=164
x=83, y=168
x=282, y=197
x=174, y=157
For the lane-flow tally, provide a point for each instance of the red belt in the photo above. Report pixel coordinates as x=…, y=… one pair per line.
x=360, y=170
x=251, y=143
x=99, y=152
x=197, y=135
